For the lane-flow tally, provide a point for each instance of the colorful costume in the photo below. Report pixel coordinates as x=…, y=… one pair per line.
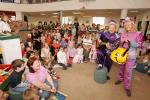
x=103, y=53
x=125, y=70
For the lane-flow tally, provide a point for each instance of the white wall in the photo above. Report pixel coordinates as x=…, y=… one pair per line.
x=144, y=17
x=76, y=5
x=82, y=20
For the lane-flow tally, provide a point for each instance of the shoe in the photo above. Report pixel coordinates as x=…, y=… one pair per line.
x=85, y=61
x=42, y=98
x=118, y=82
x=64, y=68
x=108, y=78
x=69, y=65
x=128, y=92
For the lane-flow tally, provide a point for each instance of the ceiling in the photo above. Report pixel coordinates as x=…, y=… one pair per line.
x=82, y=13
x=88, y=13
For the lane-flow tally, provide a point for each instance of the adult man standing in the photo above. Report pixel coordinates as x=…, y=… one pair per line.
x=4, y=26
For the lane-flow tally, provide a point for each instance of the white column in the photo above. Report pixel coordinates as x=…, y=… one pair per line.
x=124, y=13
x=61, y=17
x=19, y=16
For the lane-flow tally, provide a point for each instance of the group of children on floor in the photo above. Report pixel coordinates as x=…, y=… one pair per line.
x=53, y=47
x=143, y=61
x=63, y=48
x=48, y=50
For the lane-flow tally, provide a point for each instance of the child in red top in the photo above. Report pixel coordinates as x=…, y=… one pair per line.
x=55, y=46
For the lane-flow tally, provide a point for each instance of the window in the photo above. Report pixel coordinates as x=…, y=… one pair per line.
x=67, y=20
x=99, y=20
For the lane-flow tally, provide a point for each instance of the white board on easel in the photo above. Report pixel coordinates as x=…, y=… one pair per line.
x=11, y=49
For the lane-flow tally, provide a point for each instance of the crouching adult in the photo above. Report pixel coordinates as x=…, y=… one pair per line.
x=39, y=77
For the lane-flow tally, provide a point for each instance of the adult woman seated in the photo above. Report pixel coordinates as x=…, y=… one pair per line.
x=39, y=77
x=143, y=63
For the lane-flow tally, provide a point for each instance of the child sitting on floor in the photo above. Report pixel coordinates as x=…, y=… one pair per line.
x=143, y=64
x=15, y=78
x=93, y=52
x=62, y=58
x=46, y=55
x=79, y=56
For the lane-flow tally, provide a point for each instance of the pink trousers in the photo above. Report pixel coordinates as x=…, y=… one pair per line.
x=125, y=73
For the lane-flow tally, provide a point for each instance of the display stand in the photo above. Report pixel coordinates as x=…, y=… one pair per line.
x=10, y=48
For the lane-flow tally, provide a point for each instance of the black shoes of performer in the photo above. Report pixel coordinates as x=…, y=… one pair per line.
x=118, y=82
x=108, y=78
x=128, y=92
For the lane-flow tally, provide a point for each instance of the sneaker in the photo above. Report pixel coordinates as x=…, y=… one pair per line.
x=85, y=61
x=42, y=98
x=118, y=82
x=40, y=91
x=128, y=92
x=69, y=65
x=64, y=68
x=108, y=78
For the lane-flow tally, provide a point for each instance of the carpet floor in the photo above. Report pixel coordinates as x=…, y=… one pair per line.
x=78, y=83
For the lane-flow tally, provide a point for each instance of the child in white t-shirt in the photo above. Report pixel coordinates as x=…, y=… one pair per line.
x=79, y=56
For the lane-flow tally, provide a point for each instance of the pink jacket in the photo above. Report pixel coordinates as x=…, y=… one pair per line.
x=72, y=52
x=136, y=40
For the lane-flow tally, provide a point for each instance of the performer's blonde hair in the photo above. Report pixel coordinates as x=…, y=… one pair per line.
x=133, y=25
x=129, y=20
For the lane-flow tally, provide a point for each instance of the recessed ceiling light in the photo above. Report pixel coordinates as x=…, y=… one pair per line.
x=76, y=12
x=134, y=11
x=86, y=16
x=55, y=13
x=55, y=16
x=109, y=12
x=43, y=14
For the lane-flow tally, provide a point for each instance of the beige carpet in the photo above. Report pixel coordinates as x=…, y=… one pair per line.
x=77, y=82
